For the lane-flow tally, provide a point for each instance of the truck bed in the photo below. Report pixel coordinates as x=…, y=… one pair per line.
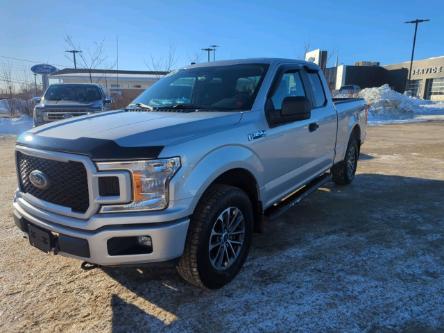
x=339, y=100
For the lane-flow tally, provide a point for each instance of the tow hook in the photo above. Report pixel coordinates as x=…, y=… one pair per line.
x=87, y=266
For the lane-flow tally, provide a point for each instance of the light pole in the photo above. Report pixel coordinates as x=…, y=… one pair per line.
x=415, y=22
x=214, y=51
x=74, y=52
x=35, y=84
x=208, y=50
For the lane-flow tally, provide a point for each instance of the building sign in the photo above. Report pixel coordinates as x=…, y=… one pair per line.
x=428, y=70
x=318, y=57
x=43, y=69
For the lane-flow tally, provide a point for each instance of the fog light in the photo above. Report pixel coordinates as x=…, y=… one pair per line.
x=144, y=241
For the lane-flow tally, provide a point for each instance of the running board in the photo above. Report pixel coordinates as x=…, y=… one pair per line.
x=296, y=197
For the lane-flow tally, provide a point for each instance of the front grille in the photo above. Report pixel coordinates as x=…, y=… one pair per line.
x=68, y=184
x=62, y=115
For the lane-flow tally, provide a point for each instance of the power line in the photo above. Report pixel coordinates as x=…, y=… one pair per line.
x=28, y=60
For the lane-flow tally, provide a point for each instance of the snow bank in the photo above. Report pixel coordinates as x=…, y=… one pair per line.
x=389, y=106
x=15, y=125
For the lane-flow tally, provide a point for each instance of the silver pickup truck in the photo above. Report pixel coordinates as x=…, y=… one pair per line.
x=189, y=170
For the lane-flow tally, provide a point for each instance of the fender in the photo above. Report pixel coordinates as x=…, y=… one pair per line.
x=192, y=184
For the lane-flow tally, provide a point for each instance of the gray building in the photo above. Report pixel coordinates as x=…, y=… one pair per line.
x=427, y=79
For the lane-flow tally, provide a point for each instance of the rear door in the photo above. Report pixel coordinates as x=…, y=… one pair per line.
x=323, y=124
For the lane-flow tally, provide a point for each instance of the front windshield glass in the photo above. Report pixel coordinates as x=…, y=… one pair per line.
x=73, y=92
x=227, y=88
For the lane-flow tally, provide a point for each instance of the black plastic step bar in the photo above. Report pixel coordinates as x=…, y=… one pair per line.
x=296, y=197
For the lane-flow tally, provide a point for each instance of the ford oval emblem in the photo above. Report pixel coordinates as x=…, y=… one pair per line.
x=39, y=180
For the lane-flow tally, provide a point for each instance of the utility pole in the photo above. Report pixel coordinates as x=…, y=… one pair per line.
x=415, y=22
x=74, y=52
x=35, y=84
x=214, y=51
x=208, y=50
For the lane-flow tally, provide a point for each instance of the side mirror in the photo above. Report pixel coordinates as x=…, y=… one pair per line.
x=36, y=100
x=107, y=100
x=296, y=108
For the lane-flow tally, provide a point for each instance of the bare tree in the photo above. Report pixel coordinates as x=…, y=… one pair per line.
x=6, y=77
x=91, y=58
x=163, y=64
x=307, y=48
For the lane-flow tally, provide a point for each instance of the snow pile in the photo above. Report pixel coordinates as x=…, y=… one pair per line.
x=389, y=106
x=15, y=126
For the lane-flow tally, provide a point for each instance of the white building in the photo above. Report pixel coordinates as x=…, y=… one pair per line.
x=113, y=81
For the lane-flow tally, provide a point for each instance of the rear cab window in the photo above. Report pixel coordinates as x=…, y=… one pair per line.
x=318, y=94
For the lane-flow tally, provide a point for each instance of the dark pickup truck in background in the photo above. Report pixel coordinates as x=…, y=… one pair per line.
x=62, y=101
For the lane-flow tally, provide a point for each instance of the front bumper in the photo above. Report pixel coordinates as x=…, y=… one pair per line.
x=168, y=238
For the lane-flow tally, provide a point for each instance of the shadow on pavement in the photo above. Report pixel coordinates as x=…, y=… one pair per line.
x=389, y=204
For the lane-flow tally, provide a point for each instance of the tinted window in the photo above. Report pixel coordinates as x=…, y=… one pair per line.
x=317, y=88
x=213, y=88
x=289, y=85
x=73, y=92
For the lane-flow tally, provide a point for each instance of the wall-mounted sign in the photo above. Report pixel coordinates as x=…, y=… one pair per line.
x=318, y=57
x=43, y=69
x=428, y=70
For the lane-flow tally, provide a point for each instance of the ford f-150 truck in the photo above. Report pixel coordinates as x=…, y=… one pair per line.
x=190, y=169
x=67, y=100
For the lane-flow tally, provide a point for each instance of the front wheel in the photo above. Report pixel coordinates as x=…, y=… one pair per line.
x=343, y=173
x=218, y=239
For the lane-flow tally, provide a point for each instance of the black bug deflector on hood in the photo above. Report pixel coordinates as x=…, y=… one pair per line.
x=96, y=149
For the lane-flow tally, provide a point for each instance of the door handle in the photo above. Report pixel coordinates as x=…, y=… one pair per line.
x=313, y=127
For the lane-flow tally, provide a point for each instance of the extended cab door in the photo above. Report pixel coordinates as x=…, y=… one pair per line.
x=323, y=125
x=293, y=152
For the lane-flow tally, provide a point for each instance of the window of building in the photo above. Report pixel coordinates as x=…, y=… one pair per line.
x=318, y=90
x=437, y=87
x=138, y=86
x=413, y=87
x=289, y=85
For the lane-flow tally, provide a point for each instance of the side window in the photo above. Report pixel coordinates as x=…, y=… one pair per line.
x=290, y=84
x=317, y=88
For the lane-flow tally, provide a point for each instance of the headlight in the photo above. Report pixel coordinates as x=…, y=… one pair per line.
x=150, y=180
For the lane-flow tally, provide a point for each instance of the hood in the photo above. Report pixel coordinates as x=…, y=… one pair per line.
x=127, y=129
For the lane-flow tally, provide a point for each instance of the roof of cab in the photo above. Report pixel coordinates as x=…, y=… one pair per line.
x=270, y=61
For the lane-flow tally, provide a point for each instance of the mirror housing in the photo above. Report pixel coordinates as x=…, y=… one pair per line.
x=36, y=99
x=296, y=108
x=107, y=100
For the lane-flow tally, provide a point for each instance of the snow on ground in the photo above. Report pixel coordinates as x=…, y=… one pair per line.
x=389, y=106
x=15, y=126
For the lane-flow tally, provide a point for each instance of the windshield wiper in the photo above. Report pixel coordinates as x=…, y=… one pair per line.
x=142, y=106
x=181, y=107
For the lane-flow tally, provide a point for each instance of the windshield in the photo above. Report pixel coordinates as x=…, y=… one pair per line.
x=222, y=88
x=73, y=92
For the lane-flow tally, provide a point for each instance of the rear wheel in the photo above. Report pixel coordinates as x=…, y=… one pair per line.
x=343, y=173
x=218, y=238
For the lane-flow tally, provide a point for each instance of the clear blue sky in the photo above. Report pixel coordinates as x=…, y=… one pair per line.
x=353, y=30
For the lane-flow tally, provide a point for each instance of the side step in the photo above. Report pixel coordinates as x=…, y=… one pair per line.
x=294, y=198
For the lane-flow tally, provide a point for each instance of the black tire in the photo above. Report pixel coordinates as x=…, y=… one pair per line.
x=343, y=172
x=195, y=265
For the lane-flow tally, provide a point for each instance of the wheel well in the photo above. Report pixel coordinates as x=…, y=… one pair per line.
x=244, y=180
x=356, y=132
